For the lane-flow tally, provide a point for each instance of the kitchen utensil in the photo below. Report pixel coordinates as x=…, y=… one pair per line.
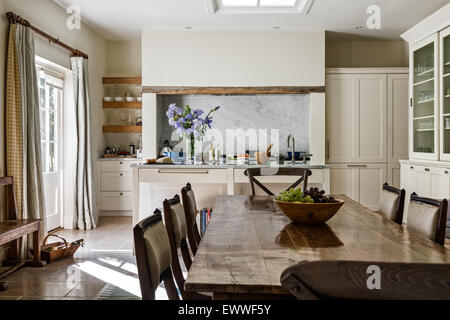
x=262, y=157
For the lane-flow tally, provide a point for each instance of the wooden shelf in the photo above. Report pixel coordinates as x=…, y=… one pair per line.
x=123, y=105
x=123, y=80
x=122, y=129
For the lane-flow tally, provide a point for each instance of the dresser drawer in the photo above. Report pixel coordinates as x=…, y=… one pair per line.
x=181, y=176
x=116, y=181
x=112, y=166
x=116, y=201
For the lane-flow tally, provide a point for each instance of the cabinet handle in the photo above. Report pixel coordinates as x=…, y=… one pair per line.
x=357, y=166
x=121, y=162
x=184, y=171
x=327, y=150
x=411, y=167
x=446, y=172
x=121, y=174
x=426, y=169
x=121, y=194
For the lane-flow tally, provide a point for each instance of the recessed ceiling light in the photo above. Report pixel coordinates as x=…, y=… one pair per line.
x=277, y=27
x=188, y=28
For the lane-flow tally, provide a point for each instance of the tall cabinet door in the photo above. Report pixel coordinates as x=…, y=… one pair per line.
x=372, y=117
x=341, y=116
x=356, y=118
x=371, y=178
x=424, y=122
x=445, y=94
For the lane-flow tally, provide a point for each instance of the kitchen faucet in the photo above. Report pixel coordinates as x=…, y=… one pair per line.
x=293, y=147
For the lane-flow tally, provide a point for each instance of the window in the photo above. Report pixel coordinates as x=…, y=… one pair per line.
x=50, y=102
x=258, y=6
x=256, y=3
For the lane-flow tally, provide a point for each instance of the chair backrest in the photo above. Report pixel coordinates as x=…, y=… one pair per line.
x=303, y=175
x=427, y=217
x=11, y=197
x=392, y=203
x=175, y=222
x=190, y=212
x=349, y=279
x=153, y=257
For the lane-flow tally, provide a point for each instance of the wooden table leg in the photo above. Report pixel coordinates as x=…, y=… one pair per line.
x=37, y=262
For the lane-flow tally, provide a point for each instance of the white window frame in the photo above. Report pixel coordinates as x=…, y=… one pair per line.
x=300, y=7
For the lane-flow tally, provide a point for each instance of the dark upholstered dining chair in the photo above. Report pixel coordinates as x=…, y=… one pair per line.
x=427, y=217
x=303, y=175
x=190, y=213
x=175, y=222
x=392, y=203
x=349, y=280
x=153, y=257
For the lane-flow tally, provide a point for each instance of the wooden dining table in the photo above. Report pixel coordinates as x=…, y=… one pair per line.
x=249, y=243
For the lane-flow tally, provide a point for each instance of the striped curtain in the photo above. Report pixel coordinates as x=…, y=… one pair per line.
x=14, y=134
x=23, y=141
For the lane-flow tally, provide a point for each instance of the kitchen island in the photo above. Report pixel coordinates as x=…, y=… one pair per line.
x=154, y=183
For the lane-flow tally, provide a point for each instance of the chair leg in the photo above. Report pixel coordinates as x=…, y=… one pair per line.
x=37, y=262
x=3, y=286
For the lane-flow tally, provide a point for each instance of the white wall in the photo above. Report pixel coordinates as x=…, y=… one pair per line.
x=51, y=18
x=124, y=58
x=231, y=58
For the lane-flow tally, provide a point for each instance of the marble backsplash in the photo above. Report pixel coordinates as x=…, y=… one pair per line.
x=265, y=118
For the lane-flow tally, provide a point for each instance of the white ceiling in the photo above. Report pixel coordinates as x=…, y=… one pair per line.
x=125, y=19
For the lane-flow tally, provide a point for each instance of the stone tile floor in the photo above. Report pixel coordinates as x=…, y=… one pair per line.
x=106, y=259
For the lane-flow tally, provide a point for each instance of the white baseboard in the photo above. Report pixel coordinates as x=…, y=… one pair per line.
x=116, y=213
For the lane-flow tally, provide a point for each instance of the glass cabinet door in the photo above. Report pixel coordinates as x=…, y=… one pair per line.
x=445, y=94
x=424, y=120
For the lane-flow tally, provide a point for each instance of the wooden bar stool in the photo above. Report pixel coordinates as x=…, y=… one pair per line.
x=258, y=172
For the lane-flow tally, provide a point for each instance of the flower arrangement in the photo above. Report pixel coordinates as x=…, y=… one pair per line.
x=190, y=123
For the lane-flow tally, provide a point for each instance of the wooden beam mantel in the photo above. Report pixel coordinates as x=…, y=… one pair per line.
x=168, y=90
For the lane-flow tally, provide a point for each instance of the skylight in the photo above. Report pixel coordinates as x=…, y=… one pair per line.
x=258, y=3
x=258, y=6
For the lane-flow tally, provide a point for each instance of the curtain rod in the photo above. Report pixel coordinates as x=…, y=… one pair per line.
x=14, y=18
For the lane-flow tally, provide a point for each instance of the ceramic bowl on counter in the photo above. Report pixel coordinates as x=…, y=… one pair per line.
x=119, y=99
x=108, y=99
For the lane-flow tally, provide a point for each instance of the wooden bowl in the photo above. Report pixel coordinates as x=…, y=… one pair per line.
x=309, y=213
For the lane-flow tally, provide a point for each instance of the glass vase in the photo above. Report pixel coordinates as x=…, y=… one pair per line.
x=190, y=150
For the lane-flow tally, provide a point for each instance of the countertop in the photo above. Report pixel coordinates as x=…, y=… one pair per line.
x=224, y=166
x=119, y=159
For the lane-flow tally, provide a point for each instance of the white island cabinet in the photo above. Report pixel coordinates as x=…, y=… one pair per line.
x=154, y=183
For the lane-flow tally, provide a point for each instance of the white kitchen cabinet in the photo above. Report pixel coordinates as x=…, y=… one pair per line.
x=444, y=96
x=397, y=118
x=116, y=185
x=360, y=182
x=356, y=117
x=424, y=89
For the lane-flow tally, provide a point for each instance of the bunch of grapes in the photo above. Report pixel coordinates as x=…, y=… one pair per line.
x=294, y=195
x=319, y=196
